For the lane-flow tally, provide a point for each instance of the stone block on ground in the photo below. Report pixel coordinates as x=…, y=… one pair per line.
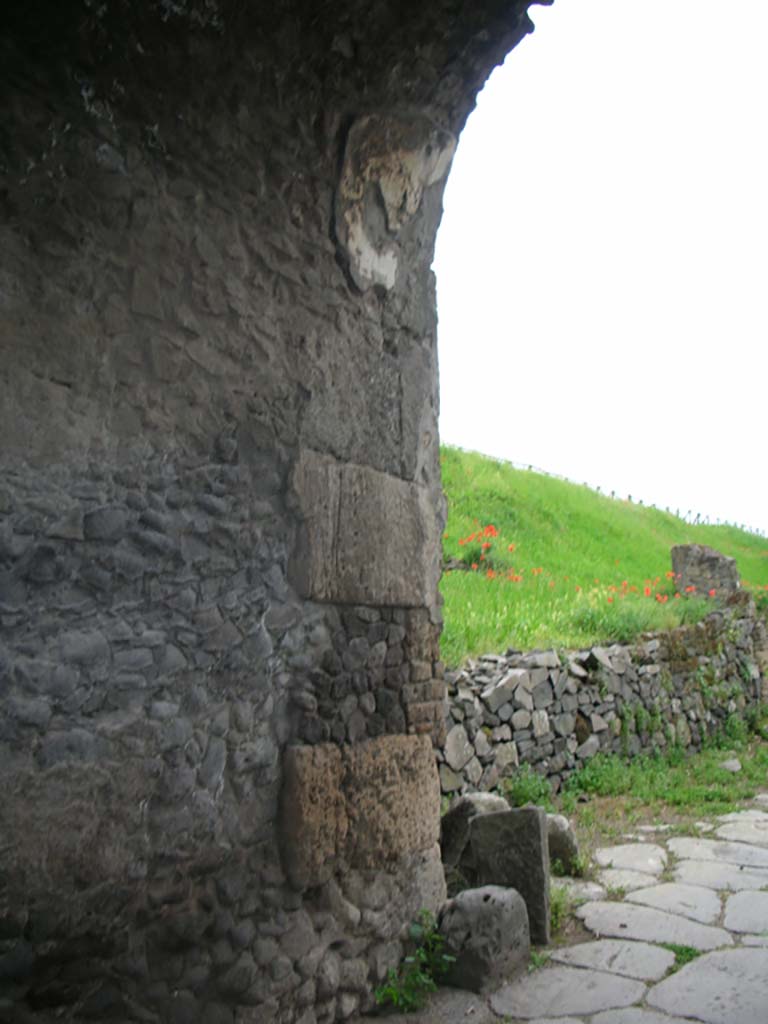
x=454, y=825
x=511, y=848
x=563, y=844
x=486, y=930
x=702, y=567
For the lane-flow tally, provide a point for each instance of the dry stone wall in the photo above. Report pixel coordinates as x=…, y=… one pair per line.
x=554, y=710
x=220, y=505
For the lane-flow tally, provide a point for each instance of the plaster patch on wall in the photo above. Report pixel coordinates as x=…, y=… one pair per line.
x=388, y=163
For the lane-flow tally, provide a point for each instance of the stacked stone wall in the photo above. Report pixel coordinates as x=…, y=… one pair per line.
x=553, y=710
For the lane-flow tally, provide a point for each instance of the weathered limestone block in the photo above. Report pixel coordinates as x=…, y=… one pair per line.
x=368, y=537
x=487, y=931
x=705, y=569
x=360, y=806
x=314, y=815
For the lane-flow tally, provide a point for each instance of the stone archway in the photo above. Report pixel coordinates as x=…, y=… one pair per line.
x=220, y=505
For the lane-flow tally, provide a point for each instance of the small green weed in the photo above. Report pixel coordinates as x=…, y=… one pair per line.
x=560, y=906
x=537, y=960
x=527, y=787
x=408, y=986
x=683, y=955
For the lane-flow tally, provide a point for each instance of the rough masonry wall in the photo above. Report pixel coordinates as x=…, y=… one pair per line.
x=553, y=710
x=220, y=507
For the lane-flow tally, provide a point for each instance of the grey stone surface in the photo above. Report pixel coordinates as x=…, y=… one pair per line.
x=458, y=749
x=629, y=921
x=719, y=875
x=644, y=857
x=639, y=960
x=755, y=940
x=581, y=890
x=486, y=930
x=619, y=878
x=565, y=990
x=511, y=849
x=704, y=568
x=693, y=901
x=636, y=1015
x=727, y=987
x=745, y=830
x=563, y=844
x=714, y=849
x=747, y=911
x=394, y=561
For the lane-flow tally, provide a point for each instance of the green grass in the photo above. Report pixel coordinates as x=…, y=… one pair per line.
x=579, y=567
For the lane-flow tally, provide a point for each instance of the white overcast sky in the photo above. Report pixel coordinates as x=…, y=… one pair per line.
x=602, y=264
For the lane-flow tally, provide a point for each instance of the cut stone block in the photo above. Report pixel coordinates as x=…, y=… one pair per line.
x=727, y=987
x=747, y=912
x=693, y=901
x=486, y=930
x=454, y=826
x=629, y=921
x=646, y=857
x=565, y=990
x=512, y=849
x=639, y=960
x=393, y=560
x=366, y=805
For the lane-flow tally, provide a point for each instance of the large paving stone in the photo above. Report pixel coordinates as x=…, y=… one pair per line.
x=727, y=987
x=718, y=876
x=511, y=849
x=636, y=1015
x=715, y=849
x=618, y=878
x=580, y=889
x=755, y=940
x=747, y=912
x=638, y=960
x=694, y=901
x=646, y=857
x=629, y=921
x=748, y=830
x=565, y=990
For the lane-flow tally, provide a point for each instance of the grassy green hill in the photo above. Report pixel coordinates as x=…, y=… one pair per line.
x=556, y=564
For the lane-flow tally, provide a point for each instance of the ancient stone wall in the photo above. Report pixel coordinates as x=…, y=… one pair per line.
x=554, y=710
x=220, y=506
